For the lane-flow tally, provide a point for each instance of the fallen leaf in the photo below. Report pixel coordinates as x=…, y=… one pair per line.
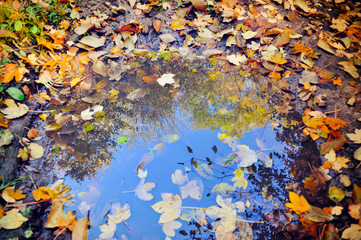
x=12, y=219
x=88, y=113
x=167, y=78
x=167, y=38
x=11, y=71
x=93, y=41
x=297, y=203
x=13, y=109
x=119, y=213
x=36, y=151
x=80, y=230
x=170, y=207
x=237, y=59
x=349, y=68
x=168, y=228
x=157, y=24
x=10, y=195
x=353, y=232
x=33, y=133
x=325, y=46
x=6, y=137
x=143, y=188
x=310, y=77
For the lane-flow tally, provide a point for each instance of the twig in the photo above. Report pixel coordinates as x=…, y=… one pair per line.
x=30, y=203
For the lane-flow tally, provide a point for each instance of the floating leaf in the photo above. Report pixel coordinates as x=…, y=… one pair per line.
x=170, y=207
x=168, y=228
x=36, y=151
x=143, y=188
x=80, y=231
x=223, y=188
x=193, y=189
x=10, y=195
x=88, y=113
x=172, y=138
x=335, y=144
x=167, y=78
x=353, y=232
x=122, y=139
x=119, y=213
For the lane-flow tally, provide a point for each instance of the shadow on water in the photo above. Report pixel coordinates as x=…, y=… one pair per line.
x=230, y=131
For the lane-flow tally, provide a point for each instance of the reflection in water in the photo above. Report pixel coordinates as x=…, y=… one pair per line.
x=212, y=96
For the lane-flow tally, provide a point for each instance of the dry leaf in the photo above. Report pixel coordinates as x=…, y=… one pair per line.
x=36, y=151
x=14, y=110
x=350, y=68
x=92, y=41
x=157, y=24
x=167, y=38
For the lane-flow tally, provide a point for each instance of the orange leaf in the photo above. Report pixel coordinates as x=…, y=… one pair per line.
x=297, y=204
x=12, y=71
x=157, y=24
x=335, y=123
x=33, y=133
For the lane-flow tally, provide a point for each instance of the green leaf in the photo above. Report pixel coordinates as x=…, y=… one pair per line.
x=34, y=30
x=122, y=139
x=89, y=127
x=18, y=26
x=15, y=93
x=336, y=194
x=1, y=87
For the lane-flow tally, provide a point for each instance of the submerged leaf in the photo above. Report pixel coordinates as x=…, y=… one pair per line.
x=12, y=219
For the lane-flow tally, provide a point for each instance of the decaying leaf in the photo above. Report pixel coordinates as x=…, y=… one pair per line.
x=6, y=137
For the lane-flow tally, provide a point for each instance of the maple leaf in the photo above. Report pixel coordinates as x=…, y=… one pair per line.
x=119, y=213
x=143, y=188
x=246, y=156
x=194, y=189
x=226, y=211
x=298, y=204
x=168, y=228
x=336, y=162
x=277, y=58
x=10, y=196
x=108, y=230
x=67, y=221
x=11, y=71
x=49, y=45
x=355, y=137
x=170, y=207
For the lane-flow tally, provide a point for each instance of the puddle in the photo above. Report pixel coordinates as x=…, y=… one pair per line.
x=212, y=120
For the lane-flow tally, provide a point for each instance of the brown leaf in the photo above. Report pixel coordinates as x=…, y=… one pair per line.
x=157, y=25
x=335, y=144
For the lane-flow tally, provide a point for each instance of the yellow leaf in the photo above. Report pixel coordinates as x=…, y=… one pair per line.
x=277, y=58
x=67, y=221
x=43, y=116
x=43, y=193
x=10, y=196
x=12, y=219
x=350, y=68
x=49, y=45
x=297, y=204
x=75, y=81
x=56, y=211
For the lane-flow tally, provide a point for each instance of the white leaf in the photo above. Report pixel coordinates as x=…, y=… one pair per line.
x=170, y=207
x=108, y=230
x=142, y=190
x=88, y=113
x=119, y=213
x=246, y=156
x=167, y=38
x=265, y=158
x=194, y=189
x=166, y=79
x=168, y=228
x=178, y=177
x=237, y=59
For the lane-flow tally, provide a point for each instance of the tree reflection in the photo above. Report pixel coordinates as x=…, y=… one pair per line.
x=216, y=97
